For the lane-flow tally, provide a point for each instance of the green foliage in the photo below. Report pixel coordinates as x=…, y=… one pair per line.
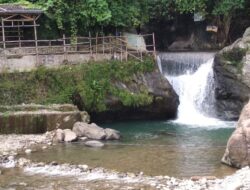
x=234, y=57
x=226, y=7
x=93, y=81
x=128, y=13
x=190, y=6
x=161, y=9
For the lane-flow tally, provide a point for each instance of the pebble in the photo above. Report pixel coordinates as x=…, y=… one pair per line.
x=23, y=162
x=54, y=163
x=28, y=151
x=23, y=184
x=93, y=143
x=83, y=139
x=44, y=147
x=84, y=167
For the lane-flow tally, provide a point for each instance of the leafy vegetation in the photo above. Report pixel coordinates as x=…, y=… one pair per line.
x=235, y=56
x=84, y=16
x=93, y=82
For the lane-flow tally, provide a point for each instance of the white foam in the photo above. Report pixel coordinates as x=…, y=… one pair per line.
x=196, y=95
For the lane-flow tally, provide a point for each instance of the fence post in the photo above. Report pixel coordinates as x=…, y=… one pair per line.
x=153, y=35
x=96, y=42
x=126, y=49
x=36, y=43
x=3, y=34
x=121, y=49
x=90, y=45
x=102, y=44
x=64, y=47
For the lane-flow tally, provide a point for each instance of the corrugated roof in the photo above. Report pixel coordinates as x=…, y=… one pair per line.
x=17, y=9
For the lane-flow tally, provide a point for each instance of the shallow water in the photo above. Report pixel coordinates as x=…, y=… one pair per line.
x=155, y=148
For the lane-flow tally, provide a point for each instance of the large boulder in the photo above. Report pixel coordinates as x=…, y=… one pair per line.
x=112, y=134
x=59, y=135
x=164, y=103
x=237, y=153
x=232, y=78
x=69, y=135
x=91, y=131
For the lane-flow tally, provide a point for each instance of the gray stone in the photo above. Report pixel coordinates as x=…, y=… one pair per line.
x=70, y=136
x=97, y=144
x=28, y=151
x=59, y=135
x=237, y=153
x=83, y=139
x=112, y=134
x=164, y=103
x=23, y=162
x=246, y=33
x=232, y=82
x=91, y=131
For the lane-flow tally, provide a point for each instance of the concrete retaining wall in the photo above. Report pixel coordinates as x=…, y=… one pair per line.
x=11, y=63
x=34, y=119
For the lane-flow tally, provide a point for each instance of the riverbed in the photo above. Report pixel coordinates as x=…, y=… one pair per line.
x=148, y=148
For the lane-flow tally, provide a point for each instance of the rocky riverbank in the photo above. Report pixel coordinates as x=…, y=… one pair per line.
x=83, y=176
x=232, y=82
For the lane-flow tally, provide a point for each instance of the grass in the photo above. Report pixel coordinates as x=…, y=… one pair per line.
x=90, y=83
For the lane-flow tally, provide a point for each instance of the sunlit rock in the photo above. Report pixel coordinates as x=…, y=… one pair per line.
x=237, y=153
x=91, y=131
x=96, y=144
x=69, y=135
x=112, y=134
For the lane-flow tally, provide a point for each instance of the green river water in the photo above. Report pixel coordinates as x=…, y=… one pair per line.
x=155, y=148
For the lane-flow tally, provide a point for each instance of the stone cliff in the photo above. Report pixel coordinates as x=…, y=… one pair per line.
x=232, y=78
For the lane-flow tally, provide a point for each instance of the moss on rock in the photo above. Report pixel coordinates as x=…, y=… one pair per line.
x=88, y=83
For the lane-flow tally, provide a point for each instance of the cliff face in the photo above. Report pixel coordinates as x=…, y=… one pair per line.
x=232, y=77
x=163, y=105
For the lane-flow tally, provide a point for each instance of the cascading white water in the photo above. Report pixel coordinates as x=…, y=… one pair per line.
x=191, y=75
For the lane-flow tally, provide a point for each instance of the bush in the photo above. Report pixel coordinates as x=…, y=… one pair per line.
x=92, y=81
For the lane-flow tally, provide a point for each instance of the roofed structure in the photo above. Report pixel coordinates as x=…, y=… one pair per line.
x=14, y=18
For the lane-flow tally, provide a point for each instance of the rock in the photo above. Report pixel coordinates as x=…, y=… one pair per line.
x=23, y=162
x=182, y=44
x=232, y=78
x=237, y=153
x=246, y=33
x=28, y=151
x=53, y=163
x=112, y=134
x=97, y=144
x=70, y=136
x=164, y=103
x=59, y=135
x=84, y=167
x=44, y=147
x=83, y=139
x=91, y=131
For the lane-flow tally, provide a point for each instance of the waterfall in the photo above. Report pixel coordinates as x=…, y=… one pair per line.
x=191, y=75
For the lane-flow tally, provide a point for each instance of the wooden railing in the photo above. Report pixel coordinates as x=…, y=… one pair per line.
x=117, y=46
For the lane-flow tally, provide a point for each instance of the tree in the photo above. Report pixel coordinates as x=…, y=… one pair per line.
x=77, y=14
x=225, y=10
x=221, y=12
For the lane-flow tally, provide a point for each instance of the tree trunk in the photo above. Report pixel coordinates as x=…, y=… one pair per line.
x=224, y=24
